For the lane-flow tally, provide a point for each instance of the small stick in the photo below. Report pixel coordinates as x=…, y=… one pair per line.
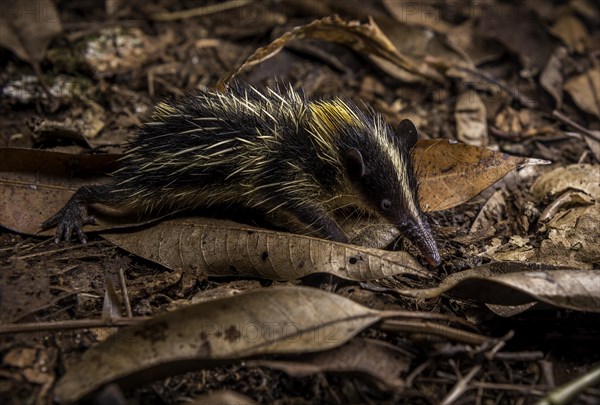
x=461, y=386
x=66, y=325
x=199, y=11
x=124, y=293
x=561, y=117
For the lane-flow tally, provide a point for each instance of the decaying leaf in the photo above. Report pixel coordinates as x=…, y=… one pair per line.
x=471, y=121
x=117, y=50
x=519, y=283
x=80, y=129
x=281, y=320
x=585, y=90
x=34, y=184
x=452, y=173
x=225, y=248
x=366, y=38
x=571, y=218
x=28, y=26
x=582, y=177
x=380, y=361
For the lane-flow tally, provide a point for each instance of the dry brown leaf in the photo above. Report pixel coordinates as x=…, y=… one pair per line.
x=506, y=311
x=478, y=48
x=366, y=38
x=380, y=361
x=20, y=357
x=225, y=248
x=222, y=398
x=491, y=212
x=35, y=184
x=422, y=46
x=451, y=173
x=571, y=31
x=551, y=78
x=280, y=320
x=520, y=30
x=584, y=177
x=585, y=90
x=573, y=238
x=471, y=123
x=28, y=26
x=520, y=283
x=111, y=306
x=594, y=144
x=571, y=218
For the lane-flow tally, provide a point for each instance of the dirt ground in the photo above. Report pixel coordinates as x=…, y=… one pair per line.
x=518, y=78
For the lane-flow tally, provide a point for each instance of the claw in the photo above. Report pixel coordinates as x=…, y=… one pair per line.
x=70, y=219
x=81, y=236
x=59, y=231
x=68, y=232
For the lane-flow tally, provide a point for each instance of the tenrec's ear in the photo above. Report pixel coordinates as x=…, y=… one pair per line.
x=355, y=167
x=407, y=130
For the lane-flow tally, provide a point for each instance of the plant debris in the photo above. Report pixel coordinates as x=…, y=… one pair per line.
x=506, y=98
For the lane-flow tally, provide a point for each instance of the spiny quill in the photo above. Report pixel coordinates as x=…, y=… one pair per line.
x=293, y=159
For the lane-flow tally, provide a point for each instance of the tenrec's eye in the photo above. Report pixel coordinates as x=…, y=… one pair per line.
x=386, y=204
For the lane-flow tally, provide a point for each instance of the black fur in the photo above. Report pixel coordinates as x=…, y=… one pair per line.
x=270, y=160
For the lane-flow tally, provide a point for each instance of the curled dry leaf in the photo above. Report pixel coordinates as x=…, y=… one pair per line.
x=452, y=173
x=380, y=361
x=225, y=248
x=365, y=38
x=281, y=320
x=35, y=184
x=520, y=283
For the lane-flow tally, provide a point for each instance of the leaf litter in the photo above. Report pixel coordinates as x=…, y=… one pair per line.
x=522, y=83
